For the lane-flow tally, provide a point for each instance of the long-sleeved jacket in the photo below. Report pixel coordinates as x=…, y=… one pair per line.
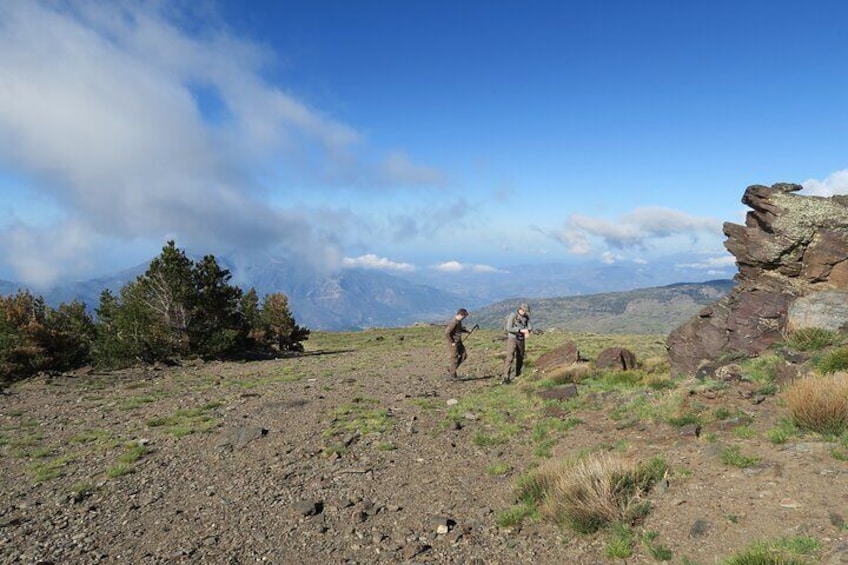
x=515, y=323
x=454, y=331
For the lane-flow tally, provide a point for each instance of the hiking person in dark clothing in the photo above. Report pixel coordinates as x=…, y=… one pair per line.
x=517, y=328
x=456, y=349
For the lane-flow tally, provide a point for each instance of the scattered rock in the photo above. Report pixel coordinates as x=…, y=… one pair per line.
x=563, y=392
x=699, y=528
x=309, y=507
x=239, y=437
x=566, y=354
x=414, y=549
x=616, y=358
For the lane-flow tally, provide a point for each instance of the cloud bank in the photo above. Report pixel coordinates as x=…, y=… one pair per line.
x=835, y=183
x=371, y=261
x=139, y=129
x=637, y=229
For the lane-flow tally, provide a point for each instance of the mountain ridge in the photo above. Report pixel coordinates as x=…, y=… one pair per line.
x=354, y=299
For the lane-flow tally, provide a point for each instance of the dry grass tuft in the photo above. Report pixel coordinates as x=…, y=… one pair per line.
x=820, y=403
x=573, y=373
x=596, y=491
x=656, y=364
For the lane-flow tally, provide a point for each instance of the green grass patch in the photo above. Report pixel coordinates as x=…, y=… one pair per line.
x=744, y=432
x=50, y=470
x=734, y=457
x=812, y=339
x=684, y=419
x=620, y=543
x=658, y=551
x=833, y=361
x=91, y=436
x=139, y=401
x=133, y=452
x=782, y=432
x=515, y=515
x=763, y=369
x=119, y=470
x=186, y=422
x=498, y=469
x=81, y=491
x=785, y=551
x=362, y=415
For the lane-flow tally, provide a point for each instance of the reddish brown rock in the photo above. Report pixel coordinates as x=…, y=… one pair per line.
x=616, y=358
x=566, y=354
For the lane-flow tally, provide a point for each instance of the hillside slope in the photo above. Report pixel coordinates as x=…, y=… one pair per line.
x=644, y=311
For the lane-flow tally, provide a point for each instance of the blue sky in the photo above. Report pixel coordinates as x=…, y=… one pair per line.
x=407, y=135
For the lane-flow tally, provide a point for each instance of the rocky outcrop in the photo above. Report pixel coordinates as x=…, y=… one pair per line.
x=792, y=256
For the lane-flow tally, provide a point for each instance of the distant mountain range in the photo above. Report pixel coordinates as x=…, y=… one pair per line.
x=656, y=310
x=357, y=298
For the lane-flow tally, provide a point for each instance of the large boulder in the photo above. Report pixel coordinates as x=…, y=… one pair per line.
x=792, y=256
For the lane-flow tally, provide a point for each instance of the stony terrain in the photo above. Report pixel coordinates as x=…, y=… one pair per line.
x=347, y=454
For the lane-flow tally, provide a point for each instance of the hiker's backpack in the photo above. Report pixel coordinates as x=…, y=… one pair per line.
x=508, y=322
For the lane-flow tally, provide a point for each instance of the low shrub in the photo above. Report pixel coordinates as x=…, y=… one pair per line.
x=834, y=361
x=812, y=339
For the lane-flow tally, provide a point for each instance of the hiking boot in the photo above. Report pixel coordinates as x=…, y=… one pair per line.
x=506, y=381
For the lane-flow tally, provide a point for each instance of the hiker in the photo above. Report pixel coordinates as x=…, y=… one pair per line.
x=517, y=327
x=456, y=350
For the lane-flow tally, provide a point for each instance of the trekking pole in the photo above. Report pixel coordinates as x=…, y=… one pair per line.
x=476, y=326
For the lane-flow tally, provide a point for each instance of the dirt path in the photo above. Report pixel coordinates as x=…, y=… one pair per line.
x=353, y=454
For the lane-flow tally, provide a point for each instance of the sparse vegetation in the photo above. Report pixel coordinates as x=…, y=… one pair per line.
x=812, y=339
x=784, y=551
x=593, y=492
x=834, y=361
x=362, y=415
x=734, y=457
x=820, y=403
x=571, y=463
x=186, y=422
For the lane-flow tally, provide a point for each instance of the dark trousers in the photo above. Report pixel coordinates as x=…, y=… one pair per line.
x=514, y=352
x=456, y=355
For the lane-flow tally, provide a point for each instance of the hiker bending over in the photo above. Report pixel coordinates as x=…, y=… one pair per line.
x=456, y=350
x=517, y=328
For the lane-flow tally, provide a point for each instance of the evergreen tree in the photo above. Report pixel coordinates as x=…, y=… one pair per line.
x=217, y=327
x=281, y=330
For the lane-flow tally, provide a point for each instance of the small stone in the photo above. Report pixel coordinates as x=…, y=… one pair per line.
x=699, y=528
x=789, y=503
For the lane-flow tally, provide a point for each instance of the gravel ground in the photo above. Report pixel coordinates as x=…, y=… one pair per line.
x=275, y=462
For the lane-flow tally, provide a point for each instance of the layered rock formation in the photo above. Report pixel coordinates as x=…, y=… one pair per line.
x=792, y=255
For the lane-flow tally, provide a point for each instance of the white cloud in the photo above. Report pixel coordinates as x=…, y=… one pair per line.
x=450, y=267
x=457, y=267
x=635, y=229
x=136, y=128
x=835, y=183
x=713, y=264
x=41, y=256
x=609, y=257
x=397, y=167
x=371, y=261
